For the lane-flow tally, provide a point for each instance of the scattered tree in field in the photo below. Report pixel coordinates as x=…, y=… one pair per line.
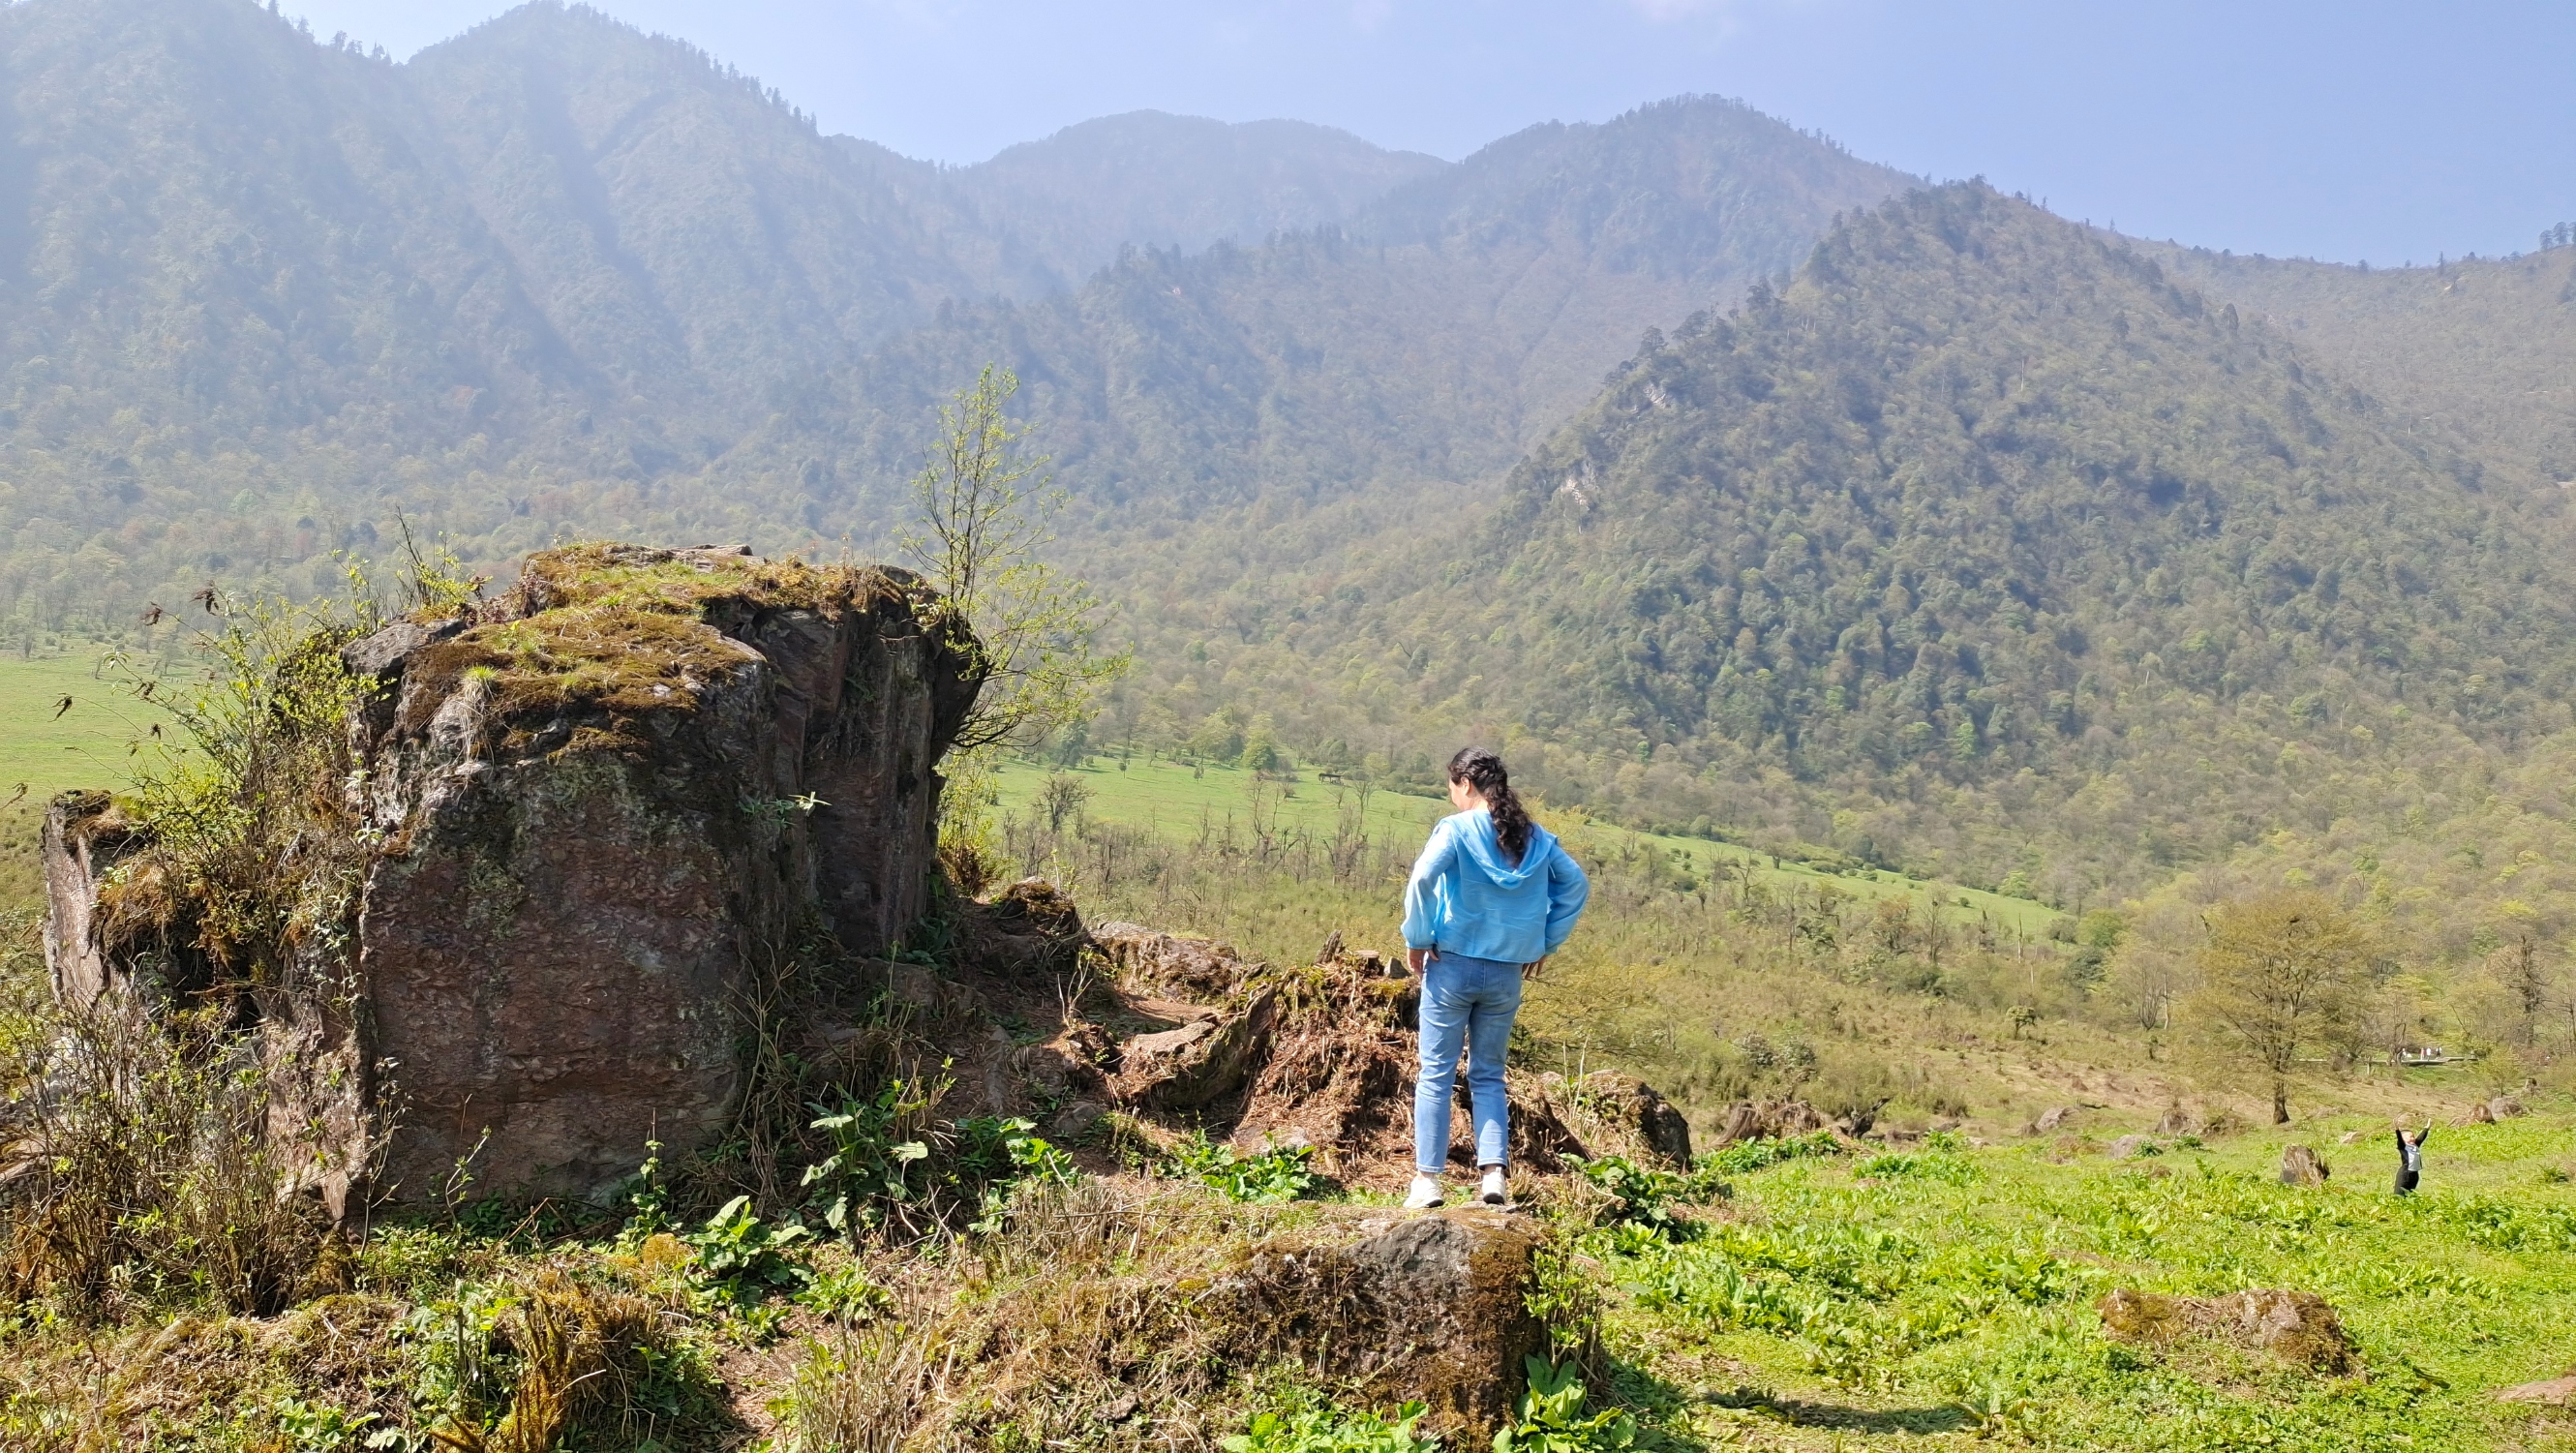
x=2282, y=976
x=984, y=510
x=2522, y=974
x=1060, y=800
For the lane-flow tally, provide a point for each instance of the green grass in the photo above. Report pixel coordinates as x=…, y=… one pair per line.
x=86, y=747
x=48, y=751
x=1884, y=1298
x=1179, y=800
x=44, y=751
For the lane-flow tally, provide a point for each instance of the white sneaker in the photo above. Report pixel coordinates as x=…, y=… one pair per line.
x=1493, y=1192
x=1426, y=1193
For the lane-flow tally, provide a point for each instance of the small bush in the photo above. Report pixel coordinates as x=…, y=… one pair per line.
x=874, y=1169
x=1642, y=1196
x=1900, y=1165
x=148, y=1170
x=549, y=1355
x=890, y=1167
x=845, y=1294
x=1752, y=1155
x=744, y=1257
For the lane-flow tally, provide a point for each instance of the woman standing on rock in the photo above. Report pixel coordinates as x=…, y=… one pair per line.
x=1492, y=895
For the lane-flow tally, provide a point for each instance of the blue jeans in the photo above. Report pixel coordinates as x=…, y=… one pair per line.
x=1466, y=1004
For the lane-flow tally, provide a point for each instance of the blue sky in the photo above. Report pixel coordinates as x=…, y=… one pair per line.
x=2352, y=131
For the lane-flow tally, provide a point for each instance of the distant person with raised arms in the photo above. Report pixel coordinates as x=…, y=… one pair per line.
x=1492, y=895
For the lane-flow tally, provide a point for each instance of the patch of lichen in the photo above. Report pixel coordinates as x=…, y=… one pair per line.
x=599, y=636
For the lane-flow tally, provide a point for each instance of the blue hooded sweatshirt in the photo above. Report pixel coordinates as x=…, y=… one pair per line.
x=1466, y=898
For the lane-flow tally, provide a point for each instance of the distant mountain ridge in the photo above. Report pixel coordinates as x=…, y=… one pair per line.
x=1430, y=338
x=558, y=277
x=2480, y=352
x=1150, y=180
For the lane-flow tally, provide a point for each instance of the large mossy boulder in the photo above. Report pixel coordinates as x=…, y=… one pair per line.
x=1407, y=1306
x=592, y=815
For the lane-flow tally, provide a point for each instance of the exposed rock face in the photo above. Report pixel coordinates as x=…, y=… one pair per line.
x=600, y=807
x=1631, y=1106
x=2554, y=1390
x=1199, y=1063
x=1173, y=965
x=84, y=834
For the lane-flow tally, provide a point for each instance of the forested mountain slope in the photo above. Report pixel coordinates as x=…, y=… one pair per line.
x=2481, y=353
x=692, y=239
x=556, y=277
x=1983, y=538
x=1430, y=341
x=259, y=292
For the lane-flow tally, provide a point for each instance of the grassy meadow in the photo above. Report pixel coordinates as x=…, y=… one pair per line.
x=1888, y=1299
x=1196, y=802
x=45, y=750
x=1935, y=1284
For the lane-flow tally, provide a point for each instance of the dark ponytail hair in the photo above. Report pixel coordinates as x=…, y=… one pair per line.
x=1483, y=771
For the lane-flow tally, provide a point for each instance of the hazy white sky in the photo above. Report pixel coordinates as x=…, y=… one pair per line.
x=2364, y=129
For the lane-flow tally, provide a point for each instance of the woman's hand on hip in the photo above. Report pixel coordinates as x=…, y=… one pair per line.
x=1416, y=958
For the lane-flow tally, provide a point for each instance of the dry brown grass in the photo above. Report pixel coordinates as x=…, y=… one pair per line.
x=579, y=1349
x=139, y=1171
x=119, y=1390
x=1122, y=1314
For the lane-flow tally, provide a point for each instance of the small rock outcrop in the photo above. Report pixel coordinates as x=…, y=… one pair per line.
x=1769, y=1120
x=2297, y=1327
x=1432, y=1307
x=589, y=816
x=1633, y=1110
x=2302, y=1166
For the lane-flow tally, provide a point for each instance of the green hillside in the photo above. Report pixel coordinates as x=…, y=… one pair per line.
x=1429, y=340
x=1191, y=802
x=2480, y=353
x=1984, y=547
x=556, y=278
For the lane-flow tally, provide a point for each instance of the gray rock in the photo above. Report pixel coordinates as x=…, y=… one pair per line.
x=1198, y=1063
x=1768, y=1120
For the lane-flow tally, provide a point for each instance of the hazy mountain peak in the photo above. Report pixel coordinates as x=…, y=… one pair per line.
x=1151, y=179
x=1701, y=175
